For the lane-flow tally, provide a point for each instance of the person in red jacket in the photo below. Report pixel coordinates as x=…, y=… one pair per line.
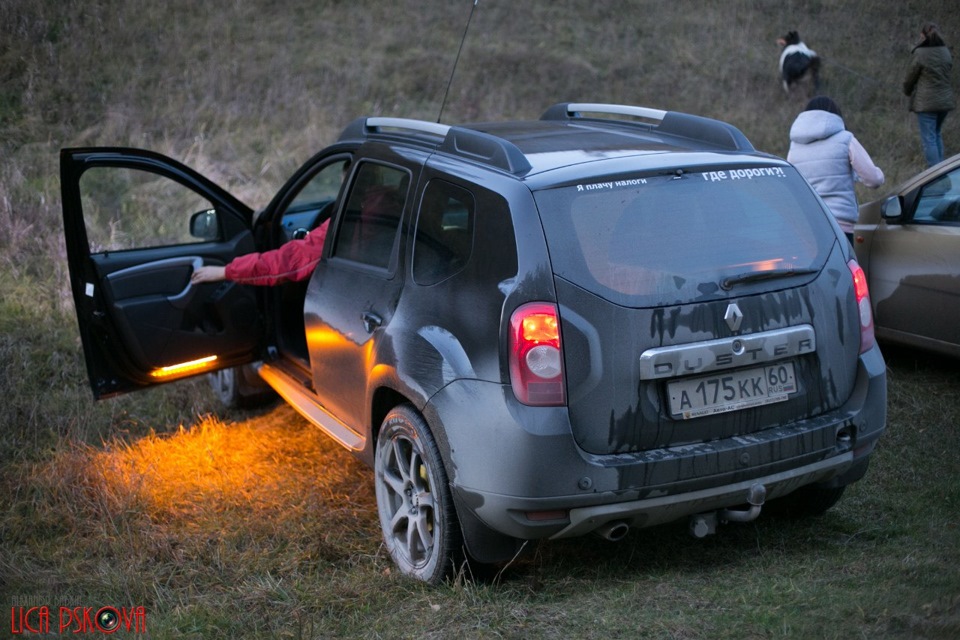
x=291, y=262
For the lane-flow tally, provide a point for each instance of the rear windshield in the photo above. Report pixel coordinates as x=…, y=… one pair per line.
x=660, y=240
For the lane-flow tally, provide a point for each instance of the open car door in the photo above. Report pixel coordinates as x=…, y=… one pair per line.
x=137, y=224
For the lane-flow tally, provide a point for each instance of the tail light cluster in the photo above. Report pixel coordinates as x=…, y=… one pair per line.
x=536, y=355
x=867, y=337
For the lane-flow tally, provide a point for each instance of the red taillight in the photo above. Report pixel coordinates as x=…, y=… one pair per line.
x=860, y=289
x=536, y=355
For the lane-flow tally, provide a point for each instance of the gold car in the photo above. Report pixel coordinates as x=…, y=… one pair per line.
x=909, y=245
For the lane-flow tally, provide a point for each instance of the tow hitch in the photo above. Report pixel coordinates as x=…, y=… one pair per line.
x=704, y=524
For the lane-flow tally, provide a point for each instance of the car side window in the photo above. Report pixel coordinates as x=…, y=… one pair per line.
x=131, y=208
x=939, y=200
x=444, y=236
x=315, y=202
x=371, y=219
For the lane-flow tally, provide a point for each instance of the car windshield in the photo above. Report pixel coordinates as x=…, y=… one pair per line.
x=646, y=241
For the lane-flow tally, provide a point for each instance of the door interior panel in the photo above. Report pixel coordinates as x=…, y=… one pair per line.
x=169, y=277
x=137, y=225
x=164, y=320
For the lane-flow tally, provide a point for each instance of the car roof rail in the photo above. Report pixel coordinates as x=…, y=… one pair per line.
x=365, y=127
x=487, y=148
x=683, y=125
x=457, y=141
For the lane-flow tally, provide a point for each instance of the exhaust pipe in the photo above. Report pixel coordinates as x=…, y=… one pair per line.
x=614, y=531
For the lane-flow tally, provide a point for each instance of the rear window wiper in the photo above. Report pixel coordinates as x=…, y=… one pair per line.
x=754, y=276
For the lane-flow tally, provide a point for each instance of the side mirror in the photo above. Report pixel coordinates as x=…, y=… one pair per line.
x=205, y=225
x=892, y=208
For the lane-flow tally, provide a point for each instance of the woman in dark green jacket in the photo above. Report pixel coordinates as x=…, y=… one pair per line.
x=928, y=85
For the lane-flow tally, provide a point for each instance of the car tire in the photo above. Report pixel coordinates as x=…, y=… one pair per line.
x=417, y=514
x=240, y=388
x=807, y=501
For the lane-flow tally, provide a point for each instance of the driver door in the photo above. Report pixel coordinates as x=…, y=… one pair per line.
x=913, y=265
x=137, y=224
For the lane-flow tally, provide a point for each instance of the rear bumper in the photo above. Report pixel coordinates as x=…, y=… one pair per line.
x=654, y=511
x=519, y=472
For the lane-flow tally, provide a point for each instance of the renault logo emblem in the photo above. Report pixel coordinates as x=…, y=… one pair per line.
x=733, y=316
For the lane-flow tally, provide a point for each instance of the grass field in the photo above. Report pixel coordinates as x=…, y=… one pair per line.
x=251, y=524
x=256, y=525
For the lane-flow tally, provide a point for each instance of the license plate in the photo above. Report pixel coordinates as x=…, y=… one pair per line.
x=733, y=391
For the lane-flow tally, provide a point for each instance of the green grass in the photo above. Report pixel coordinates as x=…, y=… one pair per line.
x=259, y=526
x=256, y=525
x=228, y=525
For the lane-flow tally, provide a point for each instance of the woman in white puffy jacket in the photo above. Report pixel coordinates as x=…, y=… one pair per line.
x=831, y=159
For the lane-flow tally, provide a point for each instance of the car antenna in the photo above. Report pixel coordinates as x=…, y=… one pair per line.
x=452, y=71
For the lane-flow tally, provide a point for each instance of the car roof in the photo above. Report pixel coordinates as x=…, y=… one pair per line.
x=551, y=145
x=946, y=166
x=571, y=135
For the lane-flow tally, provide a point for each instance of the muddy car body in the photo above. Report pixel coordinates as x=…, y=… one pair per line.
x=611, y=317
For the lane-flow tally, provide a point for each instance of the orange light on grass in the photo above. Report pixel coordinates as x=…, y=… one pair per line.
x=268, y=473
x=184, y=368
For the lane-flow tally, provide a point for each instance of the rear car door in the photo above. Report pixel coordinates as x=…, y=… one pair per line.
x=691, y=308
x=352, y=297
x=136, y=225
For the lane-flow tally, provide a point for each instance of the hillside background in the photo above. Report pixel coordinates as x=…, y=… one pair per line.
x=245, y=90
x=234, y=525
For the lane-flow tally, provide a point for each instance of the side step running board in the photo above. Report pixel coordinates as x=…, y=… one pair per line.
x=306, y=404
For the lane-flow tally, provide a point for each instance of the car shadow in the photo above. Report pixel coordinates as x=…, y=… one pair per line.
x=914, y=360
x=670, y=550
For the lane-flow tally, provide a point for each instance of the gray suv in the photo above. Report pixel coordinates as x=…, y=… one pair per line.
x=608, y=318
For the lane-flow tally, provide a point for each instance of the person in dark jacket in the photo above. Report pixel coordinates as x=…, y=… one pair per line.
x=928, y=84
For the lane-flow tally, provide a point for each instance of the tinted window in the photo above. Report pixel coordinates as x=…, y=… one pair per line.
x=372, y=216
x=940, y=200
x=444, y=238
x=659, y=240
x=130, y=208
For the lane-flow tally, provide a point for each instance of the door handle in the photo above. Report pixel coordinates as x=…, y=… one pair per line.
x=182, y=300
x=371, y=321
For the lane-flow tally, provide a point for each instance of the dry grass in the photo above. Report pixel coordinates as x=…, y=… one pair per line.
x=261, y=527
x=208, y=517
x=253, y=525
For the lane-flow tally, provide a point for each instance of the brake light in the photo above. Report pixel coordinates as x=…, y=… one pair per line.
x=862, y=292
x=536, y=355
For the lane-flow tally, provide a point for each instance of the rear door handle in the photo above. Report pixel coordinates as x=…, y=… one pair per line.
x=371, y=321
